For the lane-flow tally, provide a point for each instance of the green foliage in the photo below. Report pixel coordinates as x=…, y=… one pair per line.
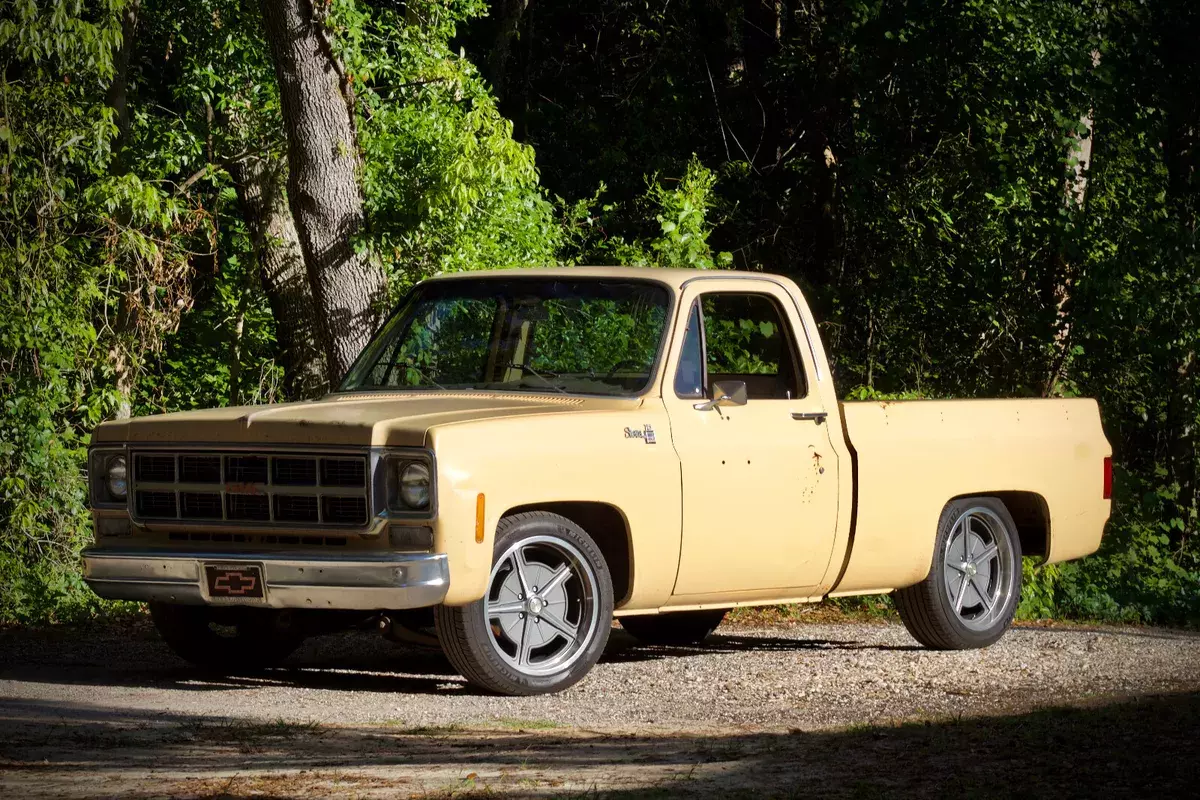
x=1143, y=574
x=601, y=337
x=867, y=393
x=55, y=138
x=911, y=164
x=94, y=276
x=447, y=187
x=683, y=221
x=223, y=351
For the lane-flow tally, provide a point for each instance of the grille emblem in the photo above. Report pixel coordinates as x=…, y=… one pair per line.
x=235, y=584
x=243, y=488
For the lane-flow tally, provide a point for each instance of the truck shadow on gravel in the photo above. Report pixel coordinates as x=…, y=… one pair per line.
x=353, y=661
x=1133, y=747
x=623, y=648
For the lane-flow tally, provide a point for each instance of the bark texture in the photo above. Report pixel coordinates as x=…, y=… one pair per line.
x=117, y=95
x=1075, y=190
x=123, y=363
x=323, y=190
x=509, y=13
x=259, y=182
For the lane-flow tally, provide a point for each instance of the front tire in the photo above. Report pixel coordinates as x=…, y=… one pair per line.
x=226, y=639
x=547, y=613
x=673, y=628
x=974, y=584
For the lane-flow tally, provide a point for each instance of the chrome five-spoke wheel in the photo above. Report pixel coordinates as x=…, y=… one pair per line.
x=971, y=592
x=541, y=605
x=546, y=615
x=978, y=567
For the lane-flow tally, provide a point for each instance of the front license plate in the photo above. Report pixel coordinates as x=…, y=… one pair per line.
x=235, y=582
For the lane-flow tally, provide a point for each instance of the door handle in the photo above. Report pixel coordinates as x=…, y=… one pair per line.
x=814, y=416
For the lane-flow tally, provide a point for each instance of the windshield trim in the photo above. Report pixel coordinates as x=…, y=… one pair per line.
x=506, y=275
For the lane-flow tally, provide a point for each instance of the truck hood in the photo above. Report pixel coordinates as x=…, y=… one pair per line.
x=394, y=420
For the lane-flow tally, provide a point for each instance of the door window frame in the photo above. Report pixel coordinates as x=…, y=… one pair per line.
x=800, y=369
x=696, y=309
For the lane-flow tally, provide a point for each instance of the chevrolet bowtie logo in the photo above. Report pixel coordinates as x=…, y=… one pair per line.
x=235, y=583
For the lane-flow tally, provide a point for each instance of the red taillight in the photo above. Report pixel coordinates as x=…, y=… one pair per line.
x=1108, y=478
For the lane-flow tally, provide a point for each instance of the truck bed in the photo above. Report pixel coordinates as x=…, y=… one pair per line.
x=1045, y=457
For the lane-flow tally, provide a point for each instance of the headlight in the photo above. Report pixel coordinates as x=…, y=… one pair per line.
x=116, y=478
x=414, y=485
x=409, y=485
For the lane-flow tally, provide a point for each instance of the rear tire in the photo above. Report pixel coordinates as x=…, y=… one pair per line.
x=974, y=584
x=547, y=613
x=226, y=639
x=673, y=628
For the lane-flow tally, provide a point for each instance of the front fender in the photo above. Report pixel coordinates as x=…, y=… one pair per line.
x=581, y=457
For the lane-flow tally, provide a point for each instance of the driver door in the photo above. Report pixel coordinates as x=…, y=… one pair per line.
x=760, y=480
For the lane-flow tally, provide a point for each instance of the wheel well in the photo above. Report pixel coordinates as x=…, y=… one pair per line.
x=607, y=526
x=1032, y=515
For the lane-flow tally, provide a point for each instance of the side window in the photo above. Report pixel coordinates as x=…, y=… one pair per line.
x=689, y=378
x=747, y=340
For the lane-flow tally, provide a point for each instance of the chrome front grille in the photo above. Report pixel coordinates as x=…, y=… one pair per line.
x=246, y=469
x=200, y=505
x=156, y=468
x=295, y=508
x=252, y=488
x=295, y=472
x=199, y=469
x=342, y=472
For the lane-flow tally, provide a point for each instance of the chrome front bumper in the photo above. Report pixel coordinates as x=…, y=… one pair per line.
x=362, y=582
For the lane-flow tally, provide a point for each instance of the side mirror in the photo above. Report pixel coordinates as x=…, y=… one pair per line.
x=724, y=393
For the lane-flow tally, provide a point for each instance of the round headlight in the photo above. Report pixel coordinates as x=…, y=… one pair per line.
x=414, y=485
x=116, y=478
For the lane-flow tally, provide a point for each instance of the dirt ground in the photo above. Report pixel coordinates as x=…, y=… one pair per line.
x=838, y=710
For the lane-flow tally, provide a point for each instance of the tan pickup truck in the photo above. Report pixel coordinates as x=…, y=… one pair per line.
x=518, y=456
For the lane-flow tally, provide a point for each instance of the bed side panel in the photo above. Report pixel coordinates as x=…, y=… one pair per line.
x=915, y=456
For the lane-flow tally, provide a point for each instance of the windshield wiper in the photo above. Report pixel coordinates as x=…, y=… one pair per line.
x=540, y=376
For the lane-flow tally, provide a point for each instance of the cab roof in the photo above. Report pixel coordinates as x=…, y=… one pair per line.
x=672, y=276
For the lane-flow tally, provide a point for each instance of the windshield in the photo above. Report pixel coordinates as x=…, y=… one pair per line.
x=584, y=336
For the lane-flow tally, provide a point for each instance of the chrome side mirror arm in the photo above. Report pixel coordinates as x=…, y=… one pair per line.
x=724, y=393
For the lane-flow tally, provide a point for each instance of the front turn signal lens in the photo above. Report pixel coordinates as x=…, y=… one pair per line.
x=479, y=508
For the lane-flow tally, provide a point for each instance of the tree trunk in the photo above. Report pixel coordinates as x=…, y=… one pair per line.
x=259, y=183
x=1181, y=450
x=117, y=95
x=1075, y=187
x=323, y=190
x=762, y=32
x=124, y=364
x=510, y=12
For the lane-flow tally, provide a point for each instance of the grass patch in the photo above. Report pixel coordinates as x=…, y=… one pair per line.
x=505, y=723
x=867, y=608
x=243, y=731
x=514, y=723
x=425, y=730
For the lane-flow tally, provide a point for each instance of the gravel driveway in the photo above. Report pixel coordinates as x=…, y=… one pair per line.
x=112, y=713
